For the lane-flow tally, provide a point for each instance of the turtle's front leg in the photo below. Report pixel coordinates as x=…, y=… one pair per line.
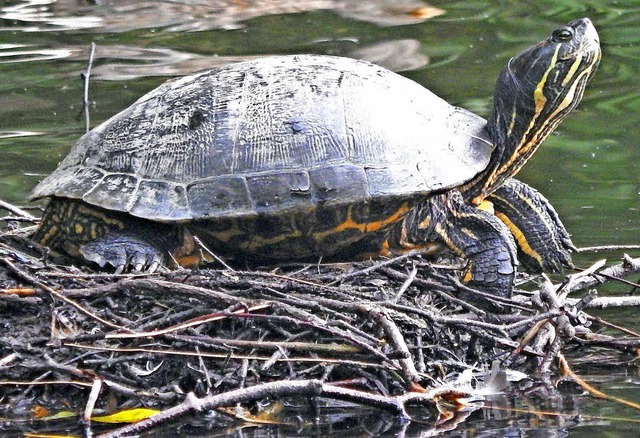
x=122, y=251
x=109, y=239
x=469, y=232
x=543, y=242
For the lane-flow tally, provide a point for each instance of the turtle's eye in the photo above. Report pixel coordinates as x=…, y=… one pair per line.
x=562, y=35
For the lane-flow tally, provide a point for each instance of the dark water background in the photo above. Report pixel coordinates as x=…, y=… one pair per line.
x=589, y=169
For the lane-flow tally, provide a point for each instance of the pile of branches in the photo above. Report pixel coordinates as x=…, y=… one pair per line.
x=386, y=334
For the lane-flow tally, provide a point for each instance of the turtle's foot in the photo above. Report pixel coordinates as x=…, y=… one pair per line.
x=492, y=269
x=544, y=245
x=124, y=253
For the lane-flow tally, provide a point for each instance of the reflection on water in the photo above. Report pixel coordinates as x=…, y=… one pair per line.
x=39, y=16
x=118, y=63
x=189, y=16
x=24, y=53
x=15, y=134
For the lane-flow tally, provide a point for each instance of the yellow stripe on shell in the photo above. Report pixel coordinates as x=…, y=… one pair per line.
x=364, y=227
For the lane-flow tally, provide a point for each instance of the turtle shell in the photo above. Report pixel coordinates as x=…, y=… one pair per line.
x=283, y=133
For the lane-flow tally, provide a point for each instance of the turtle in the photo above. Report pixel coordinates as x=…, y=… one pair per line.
x=308, y=157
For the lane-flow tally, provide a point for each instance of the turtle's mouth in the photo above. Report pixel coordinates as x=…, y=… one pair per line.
x=588, y=50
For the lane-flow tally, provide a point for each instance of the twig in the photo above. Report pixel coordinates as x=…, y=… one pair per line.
x=627, y=267
x=17, y=211
x=54, y=293
x=397, y=341
x=315, y=347
x=593, y=391
x=227, y=356
x=212, y=254
x=91, y=401
x=373, y=267
x=608, y=248
x=194, y=322
x=279, y=389
x=118, y=387
x=608, y=302
x=85, y=97
x=406, y=284
x=433, y=287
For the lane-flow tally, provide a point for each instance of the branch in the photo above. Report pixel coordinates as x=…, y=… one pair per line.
x=580, y=281
x=17, y=211
x=279, y=389
x=85, y=97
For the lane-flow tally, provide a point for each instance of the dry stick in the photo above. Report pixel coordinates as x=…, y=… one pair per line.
x=373, y=267
x=607, y=302
x=532, y=320
x=227, y=356
x=206, y=341
x=91, y=401
x=279, y=389
x=17, y=211
x=308, y=289
x=610, y=325
x=477, y=328
x=445, y=320
x=338, y=310
x=608, y=248
x=328, y=303
x=397, y=341
x=433, y=287
x=320, y=325
x=117, y=387
x=31, y=280
x=156, y=286
x=81, y=383
x=212, y=254
x=85, y=97
x=406, y=284
x=162, y=286
x=489, y=296
x=194, y=322
x=627, y=267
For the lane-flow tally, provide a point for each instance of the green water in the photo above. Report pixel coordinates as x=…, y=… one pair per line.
x=589, y=169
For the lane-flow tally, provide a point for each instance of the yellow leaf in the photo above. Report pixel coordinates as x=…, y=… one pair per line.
x=47, y=435
x=126, y=416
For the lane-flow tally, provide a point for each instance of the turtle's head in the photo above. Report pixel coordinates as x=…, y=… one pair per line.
x=534, y=92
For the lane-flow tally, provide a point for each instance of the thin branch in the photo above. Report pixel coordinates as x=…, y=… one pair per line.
x=17, y=211
x=279, y=389
x=608, y=248
x=85, y=97
x=397, y=341
x=627, y=267
x=54, y=293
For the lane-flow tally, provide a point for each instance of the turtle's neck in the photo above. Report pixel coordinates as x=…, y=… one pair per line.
x=534, y=93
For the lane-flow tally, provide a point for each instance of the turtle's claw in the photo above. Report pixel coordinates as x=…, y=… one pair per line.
x=124, y=253
x=153, y=267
